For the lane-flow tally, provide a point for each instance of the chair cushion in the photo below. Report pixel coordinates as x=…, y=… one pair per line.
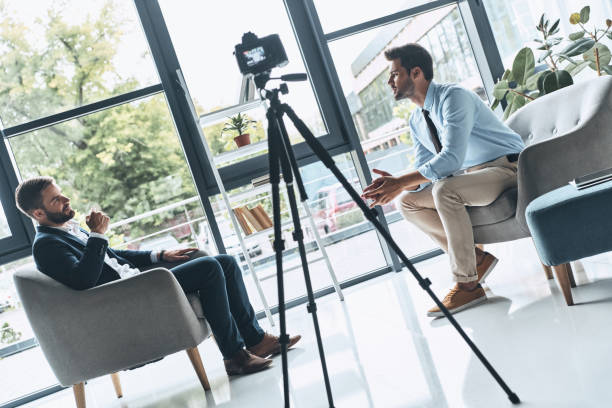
x=499, y=210
x=569, y=224
x=196, y=305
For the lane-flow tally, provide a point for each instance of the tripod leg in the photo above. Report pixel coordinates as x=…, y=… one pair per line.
x=298, y=236
x=303, y=198
x=371, y=215
x=279, y=245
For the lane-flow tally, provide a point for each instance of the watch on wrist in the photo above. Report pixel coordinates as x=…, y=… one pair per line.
x=161, y=255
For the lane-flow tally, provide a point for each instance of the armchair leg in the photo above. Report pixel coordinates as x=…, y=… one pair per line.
x=196, y=361
x=117, y=384
x=547, y=271
x=562, y=273
x=570, y=274
x=79, y=394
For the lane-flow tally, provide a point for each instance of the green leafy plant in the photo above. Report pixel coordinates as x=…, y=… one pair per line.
x=8, y=335
x=239, y=124
x=594, y=54
x=526, y=81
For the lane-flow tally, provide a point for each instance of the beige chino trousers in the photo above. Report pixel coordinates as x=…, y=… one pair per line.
x=440, y=210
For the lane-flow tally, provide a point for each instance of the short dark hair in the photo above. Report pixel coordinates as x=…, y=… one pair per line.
x=412, y=55
x=28, y=195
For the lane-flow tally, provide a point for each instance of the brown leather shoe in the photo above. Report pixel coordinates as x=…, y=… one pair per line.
x=244, y=362
x=485, y=262
x=270, y=345
x=459, y=299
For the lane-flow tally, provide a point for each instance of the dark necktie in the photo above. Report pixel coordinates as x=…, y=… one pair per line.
x=433, y=132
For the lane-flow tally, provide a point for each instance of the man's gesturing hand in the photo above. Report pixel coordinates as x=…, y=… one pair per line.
x=97, y=221
x=175, y=255
x=383, y=189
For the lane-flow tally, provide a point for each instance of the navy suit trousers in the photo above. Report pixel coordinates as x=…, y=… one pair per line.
x=218, y=281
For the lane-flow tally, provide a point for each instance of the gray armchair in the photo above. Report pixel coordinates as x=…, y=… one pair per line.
x=116, y=326
x=568, y=134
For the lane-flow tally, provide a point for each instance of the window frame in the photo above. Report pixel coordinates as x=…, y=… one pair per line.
x=342, y=136
x=19, y=243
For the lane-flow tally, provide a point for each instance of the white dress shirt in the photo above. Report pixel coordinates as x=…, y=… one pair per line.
x=125, y=271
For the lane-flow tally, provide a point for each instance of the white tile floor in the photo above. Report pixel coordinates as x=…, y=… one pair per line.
x=382, y=351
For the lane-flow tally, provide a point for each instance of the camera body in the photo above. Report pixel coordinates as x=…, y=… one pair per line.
x=259, y=55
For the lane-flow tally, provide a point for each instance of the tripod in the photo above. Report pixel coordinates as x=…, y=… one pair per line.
x=282, y=158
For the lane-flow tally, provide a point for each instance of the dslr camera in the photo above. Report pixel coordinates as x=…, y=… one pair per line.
x=257, y=56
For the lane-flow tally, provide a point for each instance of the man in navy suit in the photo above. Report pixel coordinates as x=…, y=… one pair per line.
x=82, y=260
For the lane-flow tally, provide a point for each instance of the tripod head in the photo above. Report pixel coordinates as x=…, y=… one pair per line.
x=272, y=94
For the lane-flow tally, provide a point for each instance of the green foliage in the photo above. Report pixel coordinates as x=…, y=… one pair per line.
x=239, y=124
x=522, y=84
x=578, y=47
x=127, y=160
x=576, y=36
x=8, y=335
x=349, y=218
x=220, y=142
x=403, y=110
x=551, y=81
x=584, y=14
x=592, y=50
x=598, y=51
x=523, y=65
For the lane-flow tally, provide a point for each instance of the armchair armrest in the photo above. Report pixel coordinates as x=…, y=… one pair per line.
x=168, y=265
x=117, y=325
x=552, y=163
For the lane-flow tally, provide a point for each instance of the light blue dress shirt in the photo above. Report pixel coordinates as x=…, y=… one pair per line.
x=468, y=129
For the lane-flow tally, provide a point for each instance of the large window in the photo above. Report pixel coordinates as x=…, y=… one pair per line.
x=61, y=55
x=338, y=14
x=81, y=100
x=204, y=41
x=123, y=158
x=514, y=22
x=382, y=122
x=349, y=240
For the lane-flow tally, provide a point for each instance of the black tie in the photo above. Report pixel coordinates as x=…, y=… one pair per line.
x=433, y=132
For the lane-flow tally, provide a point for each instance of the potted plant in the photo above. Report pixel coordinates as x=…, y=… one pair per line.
x=239, y=124
x=526, y=81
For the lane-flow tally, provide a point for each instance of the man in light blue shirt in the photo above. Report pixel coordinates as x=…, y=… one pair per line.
x=465, y=156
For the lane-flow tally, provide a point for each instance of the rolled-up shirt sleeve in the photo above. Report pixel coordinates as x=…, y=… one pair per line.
x=458, y=111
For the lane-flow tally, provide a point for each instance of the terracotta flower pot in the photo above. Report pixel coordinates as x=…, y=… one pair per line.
x=243, y=140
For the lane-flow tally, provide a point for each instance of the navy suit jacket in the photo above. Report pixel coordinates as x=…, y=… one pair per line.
x=78, y=264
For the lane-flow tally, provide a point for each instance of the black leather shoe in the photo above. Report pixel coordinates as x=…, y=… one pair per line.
x=269, y=345
x=244, y=362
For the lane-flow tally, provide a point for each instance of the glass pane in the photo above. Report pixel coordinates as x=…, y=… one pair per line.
x=382, y=122
x=24, y=368
x=338, y=14
x=4, y=227
x=61, y=55
x=514, y=23
x=350, y=242
x=128, y=162
x=204, y=42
